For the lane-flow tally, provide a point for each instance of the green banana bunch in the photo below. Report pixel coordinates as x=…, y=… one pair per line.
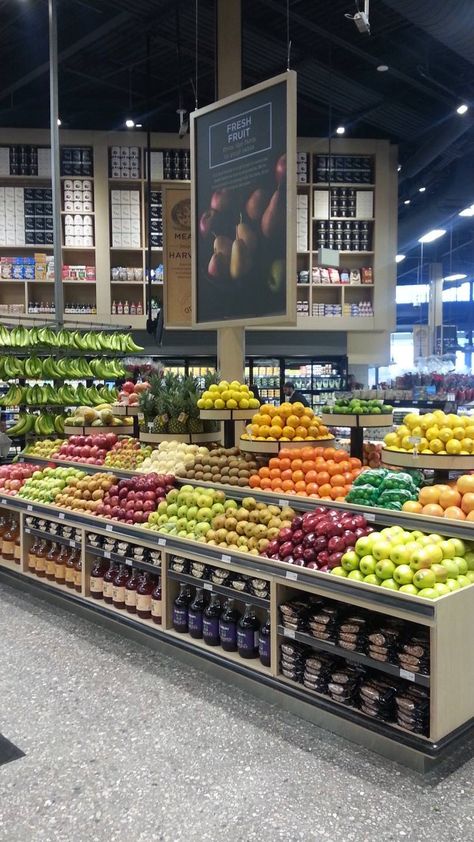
x=33, y=367
x=14, y=397
x=59, y=423
x=24, y=425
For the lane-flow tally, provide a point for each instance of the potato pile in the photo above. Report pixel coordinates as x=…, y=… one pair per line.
x=224, y=465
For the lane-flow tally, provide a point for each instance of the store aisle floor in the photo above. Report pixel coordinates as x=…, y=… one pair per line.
x=123, y=744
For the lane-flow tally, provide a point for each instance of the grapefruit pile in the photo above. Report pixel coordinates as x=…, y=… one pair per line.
x=454, y=501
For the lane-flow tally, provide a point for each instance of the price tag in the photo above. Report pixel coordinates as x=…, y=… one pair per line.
x=61, y=515
x=162, y=542
x=369, y=515
x=4, y=502
x=290, y=633
x=451, y=396
x=28, y=530
x=29, y=508
x=291, y=575
x=107, y=555
x=226, y=558
x=128, y=561
x=207, y=586
x=414, y=439
x=282, y=503
x=410, y=676
x=72, y=543
x=109, y=528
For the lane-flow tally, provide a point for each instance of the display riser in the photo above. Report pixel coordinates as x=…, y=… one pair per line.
x=450, y=620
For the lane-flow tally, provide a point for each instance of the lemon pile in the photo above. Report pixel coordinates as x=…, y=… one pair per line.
x=225, y=395
x=436, y=432
x=288, y=422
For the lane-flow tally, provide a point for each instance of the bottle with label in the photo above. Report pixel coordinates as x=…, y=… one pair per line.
x=51, y=557
x=60, y=565
x=131, y=590
x=247, y=634
x=78, y=572
x=156, y=604
x=145, y=589
x=9, y=538
x=40, y=559
x=32, y=555
x=118, y=592
x=210, y=621
x=108, y=583
x=228, y=626
x=139, y=308
x=264, y=642
x=96, y=582
x=17, y=549
x=126, y=309
x=70, y=573
x=120, y=309
x=180, y=609
x=114, y=308
x=195, y=613
x=133, y=309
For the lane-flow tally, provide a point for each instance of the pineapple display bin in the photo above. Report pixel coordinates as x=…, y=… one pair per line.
x=257, y=446
x=356, y=423
x=187, y=438
x=229, y=417
x=91, y=431
x=131, y=412
x=441, y=465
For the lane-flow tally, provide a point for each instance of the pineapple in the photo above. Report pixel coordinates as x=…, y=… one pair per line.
x=178, y=418
x=190, y=395
x=147, y=405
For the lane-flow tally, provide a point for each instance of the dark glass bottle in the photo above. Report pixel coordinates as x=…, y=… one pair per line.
x=180, y=609
x=51, y=557
x=70, y=571
x=60, y=565
x=78, y=572
x=17, y=550
x=264, y=642
x=108, y=583
x=210, y=621
x=9, y=538
x=195, y=613
x=156, y=603
x=131, y=590
x=120, y=580
x=144, y=591
x=96, y=582
x=247, y=634
x=32, y=555
x=228, y=626
x=41, y=553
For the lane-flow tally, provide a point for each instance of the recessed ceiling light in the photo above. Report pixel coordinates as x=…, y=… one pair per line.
x=399, y=258
x=130, y=123
x=455, y=277
x=340, y=130
x=461, y=109
x=382, y=68
x=138, y=125
x=59, y=121
x=407, y=201
x=467, y=211
x=430, y=236
x=399, y=168
x=421, y=189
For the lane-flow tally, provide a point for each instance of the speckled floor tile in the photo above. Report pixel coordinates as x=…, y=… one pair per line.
x=124, y=744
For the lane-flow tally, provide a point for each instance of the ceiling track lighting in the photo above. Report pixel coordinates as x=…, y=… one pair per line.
x=462, y=109
x=130, y=123
x=361, y=19
x=421, y=189
x=407, y=202
x=341, y=130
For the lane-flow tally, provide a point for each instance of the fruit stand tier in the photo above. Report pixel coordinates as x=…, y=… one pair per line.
x=255, y=446
x=229, y=417
x=84, y=466
x=356, y=424
x=130, y=412
x=449, y=622
x=187, y=438
x=90, y=431
x=441, y=465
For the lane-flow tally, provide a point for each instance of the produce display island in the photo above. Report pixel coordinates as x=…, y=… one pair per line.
x=356, y=424
x=444, y=624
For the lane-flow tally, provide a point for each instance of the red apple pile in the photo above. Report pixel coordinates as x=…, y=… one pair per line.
x=89, y=449
x=318, y=539
x=130, y=392
x=132, y=500
x=12, y=477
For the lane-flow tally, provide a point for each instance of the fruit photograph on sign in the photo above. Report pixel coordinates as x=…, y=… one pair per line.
x=241, y=209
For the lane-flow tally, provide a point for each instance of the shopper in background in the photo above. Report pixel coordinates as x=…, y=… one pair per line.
x=254, y=389
x=293, y=395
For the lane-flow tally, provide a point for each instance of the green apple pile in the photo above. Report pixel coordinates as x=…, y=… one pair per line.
x=358, y=406
x=207, y=516
x=411, y=562
x=43, y=486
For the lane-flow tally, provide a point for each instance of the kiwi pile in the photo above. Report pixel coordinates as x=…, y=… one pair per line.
x=226, y=465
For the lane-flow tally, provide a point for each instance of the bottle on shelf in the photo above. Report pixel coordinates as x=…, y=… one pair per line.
x=17, y=549
x=78, y=572
x=139, y=308
x=180, y=609
x=133, y=309
x=145, y=589
x=69, y=569
x=126, y=309
x=228, y=626
x=9, y=538
x=108, y=582
x=248, y=633
x=131, y=590
x=51, y=557
x=120, y=309
x=96, y=582
x=264, y=642
x=31, y=561
x=60, y=565
x=210, y=621
x=118, y=593
x=195, y=613
x=156, y=603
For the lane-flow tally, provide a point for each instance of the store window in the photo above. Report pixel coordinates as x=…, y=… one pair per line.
x=457, y=293
x=415, y=294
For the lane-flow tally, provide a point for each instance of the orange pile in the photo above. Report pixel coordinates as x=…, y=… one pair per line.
x=288, y=422
x=321, y=472
x=455, y=501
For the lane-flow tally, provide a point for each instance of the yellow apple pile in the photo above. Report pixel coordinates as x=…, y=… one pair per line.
x=225, y=395
x=434, y=433
x=288, y=422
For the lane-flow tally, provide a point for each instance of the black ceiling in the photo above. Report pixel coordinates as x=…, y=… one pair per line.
x=427, y=45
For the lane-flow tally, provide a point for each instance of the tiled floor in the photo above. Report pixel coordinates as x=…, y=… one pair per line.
x=124, y=744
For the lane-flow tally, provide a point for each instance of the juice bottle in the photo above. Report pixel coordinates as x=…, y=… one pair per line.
x=131, y=590
x=156, y=603
x=118, y=592
x=145, y=589
x=210, y=621
x=60, y=565
x=108, y=582
x=17, y=550
x=51, y=557
x=70, y=573
x=180, y=609
x=247, y=634
x=9, y=538
x=41, y=553
x=32, y=555
x=78, y=572
x=228, y=626
x=195, y=613
x=264, y=642
x=96, y=582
